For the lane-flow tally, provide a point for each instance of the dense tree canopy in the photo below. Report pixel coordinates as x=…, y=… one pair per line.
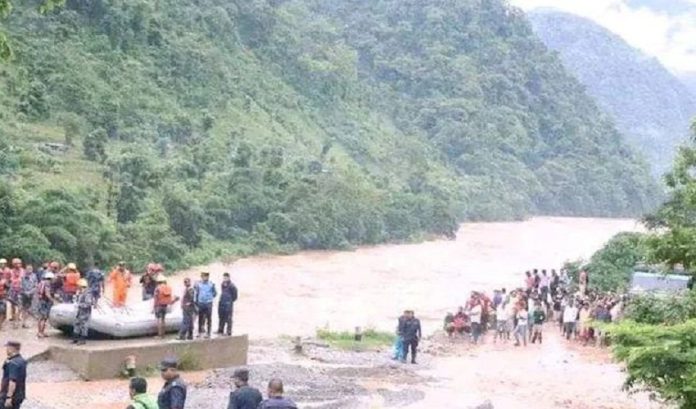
x=192, y=127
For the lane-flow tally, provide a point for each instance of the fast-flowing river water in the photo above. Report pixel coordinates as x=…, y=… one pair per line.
x=296, y=294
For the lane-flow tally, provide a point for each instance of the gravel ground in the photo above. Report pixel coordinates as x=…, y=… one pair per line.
x=49, y=371
x=321, y=377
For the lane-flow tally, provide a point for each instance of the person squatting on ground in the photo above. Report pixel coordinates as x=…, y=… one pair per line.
x=14, y=377
x=410, y=331
x=205, y=295
x=137, y=389
x=275, y=397
x=228, y=295
x=244, y=396
x=188, y=308
x=163, y=299
x=84, y=302
x=173, y=393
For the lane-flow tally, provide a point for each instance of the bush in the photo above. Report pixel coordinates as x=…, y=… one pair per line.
x=371, y=339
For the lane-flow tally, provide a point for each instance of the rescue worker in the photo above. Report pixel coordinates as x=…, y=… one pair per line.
x=70, y=283
x=57, y=281
x=164, y=297
x=244, y=397
x=14, y=377
x=228, y=295
x=84, y=303
x=3, y=299
x=148, y=281
x=95, y=283
x=205, y=295
x=275, y=397
x=173, y=393
x=139, y=397
x=188, y=307
x=120, y=278
x=26, y=296
x=46, y=299
x=15, y=284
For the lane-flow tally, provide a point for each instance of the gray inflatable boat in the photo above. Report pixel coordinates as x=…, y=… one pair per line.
x=135, y=320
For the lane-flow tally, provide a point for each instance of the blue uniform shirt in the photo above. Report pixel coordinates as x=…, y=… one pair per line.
x=205, y=292
x=173, y=395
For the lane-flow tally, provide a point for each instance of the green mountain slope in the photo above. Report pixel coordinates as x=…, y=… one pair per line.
x=652, y=108
x=200, y=128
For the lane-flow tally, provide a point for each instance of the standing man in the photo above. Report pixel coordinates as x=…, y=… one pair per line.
x=15, y=283
x=570, y=317
x=95, y=283
x=46, y=299
x=188, y=307
x=538, y=319
x=164, y=297
x=140, y=399
x=84, y=302
x=173, y=393
x=26, y=296
x=228, y=295
x=70, y=285
x=411, y=331
x=244, y=397
x=14, y=376
x=3, y=299
x=475, y=313
x=120, y=278
x=275, y=397
x=205, y=295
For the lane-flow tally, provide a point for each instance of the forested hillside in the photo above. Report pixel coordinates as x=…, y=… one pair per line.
x=652, y=108
x=185, y=130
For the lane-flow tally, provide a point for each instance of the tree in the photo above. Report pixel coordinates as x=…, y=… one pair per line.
x=73, y=126
x=6, y=8
x=94, y=145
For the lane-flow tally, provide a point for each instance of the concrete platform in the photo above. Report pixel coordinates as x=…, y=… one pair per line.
x=105, y=361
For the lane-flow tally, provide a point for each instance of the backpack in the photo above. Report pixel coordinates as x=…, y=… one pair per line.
x=164, y=295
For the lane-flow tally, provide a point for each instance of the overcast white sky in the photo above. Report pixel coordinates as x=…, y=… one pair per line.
x=665, y=29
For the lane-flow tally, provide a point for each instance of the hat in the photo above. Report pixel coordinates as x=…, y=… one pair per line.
x=241, y=374
x=120, y=263
x=72, y=266
x=168, y=363
x=13, y=344
x=3, y=260
x=16, y=261
x=161, y=278
x=82, y=282
x=48, y=275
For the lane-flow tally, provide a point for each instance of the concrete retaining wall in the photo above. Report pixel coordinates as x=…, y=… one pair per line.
x=109, y=362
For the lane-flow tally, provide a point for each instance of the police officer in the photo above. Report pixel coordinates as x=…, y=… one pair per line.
x=85, y=302
x=205, y=295
x=14, y=376
x=188, y=307
x=275, y=397
x=244, y=397
x=173, y=394
x=228, y=295
x=95, y=283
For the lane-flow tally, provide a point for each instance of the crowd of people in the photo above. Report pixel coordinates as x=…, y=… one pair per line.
x=27, y=292
x=543, y=298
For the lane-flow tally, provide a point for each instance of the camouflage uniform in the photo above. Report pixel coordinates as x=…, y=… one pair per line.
x=85, y=301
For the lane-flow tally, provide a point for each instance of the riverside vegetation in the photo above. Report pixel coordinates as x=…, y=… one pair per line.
x=182, y=131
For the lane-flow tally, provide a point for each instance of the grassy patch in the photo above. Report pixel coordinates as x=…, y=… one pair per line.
x=371, y=339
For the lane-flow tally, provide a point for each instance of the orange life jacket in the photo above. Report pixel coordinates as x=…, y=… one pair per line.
x=70, y=283
x=163, y=295
x=2, y=287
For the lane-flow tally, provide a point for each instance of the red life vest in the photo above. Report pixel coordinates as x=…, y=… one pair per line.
x=163, y=295
x=70, y=283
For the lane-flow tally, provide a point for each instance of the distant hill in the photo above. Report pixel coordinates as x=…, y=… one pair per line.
x=652, y=108
x=689, y=79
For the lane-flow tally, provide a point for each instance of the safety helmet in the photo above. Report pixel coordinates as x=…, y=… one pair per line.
x=72, y=266
x=82, y=283
x=161, y=278
x=3, y=261
x=16, y=261
x=49, y=275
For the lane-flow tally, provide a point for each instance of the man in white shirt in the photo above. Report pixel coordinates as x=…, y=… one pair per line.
x=570, y=316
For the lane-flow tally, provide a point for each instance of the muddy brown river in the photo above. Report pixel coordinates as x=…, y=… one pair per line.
x=295, y=295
